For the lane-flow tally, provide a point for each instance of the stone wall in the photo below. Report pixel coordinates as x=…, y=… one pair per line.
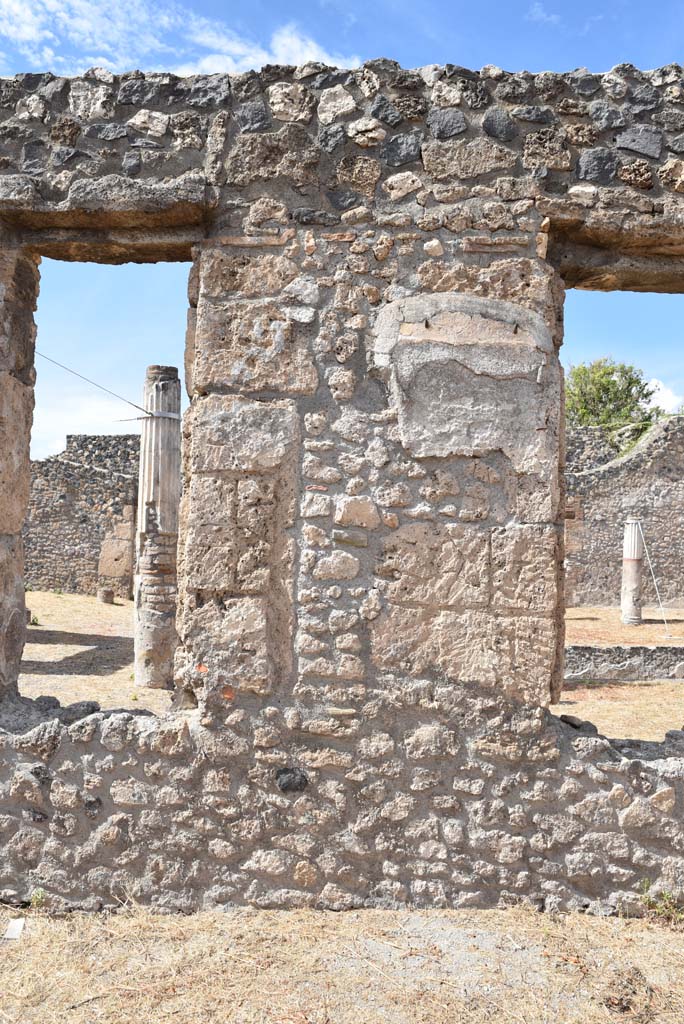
x=79, y=530
x=370, y=600
x=623, y=662
x=603, y=491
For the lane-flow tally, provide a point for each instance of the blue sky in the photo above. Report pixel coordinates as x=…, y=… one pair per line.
x=81, y=317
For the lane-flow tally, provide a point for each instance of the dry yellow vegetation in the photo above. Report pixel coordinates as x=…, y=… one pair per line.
x=249, y=966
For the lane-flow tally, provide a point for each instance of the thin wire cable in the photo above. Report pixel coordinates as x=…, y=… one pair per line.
x=655, y=582
x=94, y=383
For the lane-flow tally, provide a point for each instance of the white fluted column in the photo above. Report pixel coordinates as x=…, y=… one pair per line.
x=157, y=530
x=632, y=561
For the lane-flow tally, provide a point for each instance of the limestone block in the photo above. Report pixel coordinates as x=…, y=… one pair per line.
x=513, y=656
x=233, y=636
x=525, y=568
x=547, y=148
x=89, y=101
x=358, y=510
x=241, y=435
x=338, y=566
x=672, y=175
x=253, y=346
x=210, y=558
x=437, y=565
x=291, y=102
x=116, y=558
x=249, y=275
x=335, y=103
x=18, y=291
x=259, y=157
x=150, y=121
x=450, y=160
x=16, y=415
x=212, y=501
x=12, y=611
x=472, y=376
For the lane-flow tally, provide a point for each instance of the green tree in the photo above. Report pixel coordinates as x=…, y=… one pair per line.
x=609, y=394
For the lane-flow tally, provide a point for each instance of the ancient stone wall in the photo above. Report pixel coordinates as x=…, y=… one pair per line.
x=370, y=599
x=648, y=481
x=79, y=529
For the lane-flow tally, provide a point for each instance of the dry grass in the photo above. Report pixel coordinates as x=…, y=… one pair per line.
x=83, y=650
x=639, y=710
x=303, y=967
x=601, y=627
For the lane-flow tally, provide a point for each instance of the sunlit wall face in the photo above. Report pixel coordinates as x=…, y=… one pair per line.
x=641, y=328
x=108, y=323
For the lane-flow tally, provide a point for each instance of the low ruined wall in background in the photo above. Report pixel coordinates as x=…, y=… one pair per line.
x=603, y=489
x=79, y=530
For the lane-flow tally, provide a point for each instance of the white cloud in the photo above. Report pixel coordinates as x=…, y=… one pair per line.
x=664, y=396
x=72, y=35
x=539, y=13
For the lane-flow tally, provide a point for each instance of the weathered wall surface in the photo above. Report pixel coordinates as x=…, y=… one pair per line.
x=371, y=528
x=602, y=492
x=623, y=662
x=79, y=529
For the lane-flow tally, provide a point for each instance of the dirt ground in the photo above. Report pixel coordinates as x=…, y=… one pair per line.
x=81, y=649
x=601, y=627
x=640, y=710
x=313, y=967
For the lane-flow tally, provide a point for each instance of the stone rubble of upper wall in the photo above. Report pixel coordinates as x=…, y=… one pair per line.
x=440, y=146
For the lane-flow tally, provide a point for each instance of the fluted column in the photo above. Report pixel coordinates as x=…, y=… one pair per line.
x=157, y=530
x=632, y=561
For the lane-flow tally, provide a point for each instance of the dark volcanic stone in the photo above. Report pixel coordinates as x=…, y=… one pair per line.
x=330, y=136
x=513, y=88
x=403, y=149
x=108, y=132
x=344, y=198
x=538, y=115
x=499, y=125
x=135, y=91
x=291, y=780
x=304, y=215
x=644, y=97
x=253, y=116
x=643, y=139
x=61, y=155
x=445, y=122
x=586, y=84
x=598, y=165
x=204, y=91
x=605, y=115
x=385, y=111
x=131, y=163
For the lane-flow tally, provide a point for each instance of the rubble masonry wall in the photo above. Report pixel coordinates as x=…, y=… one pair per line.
x=79, y=530
x=647, y=481
x=370, y=612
